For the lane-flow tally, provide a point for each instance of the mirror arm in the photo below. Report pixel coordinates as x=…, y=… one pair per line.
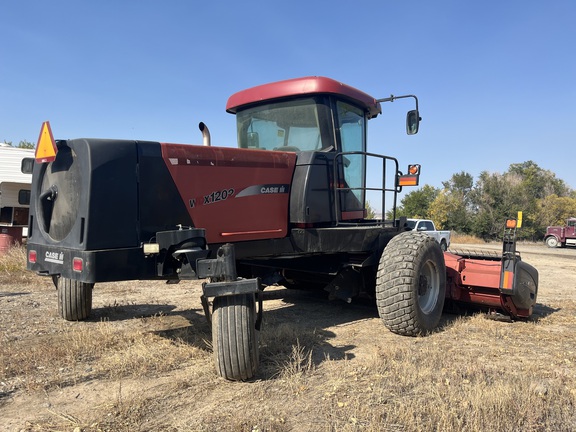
x=392, y=98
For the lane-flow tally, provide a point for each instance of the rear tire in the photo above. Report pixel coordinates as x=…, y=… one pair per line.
x=411, y=284
x=234, y=336
x=74, y=299
x=443, y=245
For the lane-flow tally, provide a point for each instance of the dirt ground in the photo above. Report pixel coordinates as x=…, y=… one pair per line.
x=347, y=332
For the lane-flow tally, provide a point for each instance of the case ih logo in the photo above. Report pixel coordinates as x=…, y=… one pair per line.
x=264, y=189
x=54, y=257
x=273, y=189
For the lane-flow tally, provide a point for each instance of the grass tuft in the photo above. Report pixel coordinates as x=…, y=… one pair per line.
x=13, y=266
x=465, y=239
x=92, y=351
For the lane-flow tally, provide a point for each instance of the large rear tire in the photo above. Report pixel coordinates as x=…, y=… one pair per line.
x=411, y=284
x=74, y=299
x=234, y=336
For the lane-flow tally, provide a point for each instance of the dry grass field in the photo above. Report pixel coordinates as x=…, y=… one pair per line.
x=143, y=362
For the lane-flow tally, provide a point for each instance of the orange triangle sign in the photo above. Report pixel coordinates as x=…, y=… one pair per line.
x=46, y=148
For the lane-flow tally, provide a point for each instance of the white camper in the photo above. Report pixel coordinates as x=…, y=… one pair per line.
x=14, y=191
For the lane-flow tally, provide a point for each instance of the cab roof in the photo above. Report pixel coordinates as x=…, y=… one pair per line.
x=302, y=87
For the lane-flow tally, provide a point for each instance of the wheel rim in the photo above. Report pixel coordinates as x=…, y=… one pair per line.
x=428, y=288
x=552, y=242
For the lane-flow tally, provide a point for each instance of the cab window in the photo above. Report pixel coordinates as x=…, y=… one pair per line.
x=286, y=126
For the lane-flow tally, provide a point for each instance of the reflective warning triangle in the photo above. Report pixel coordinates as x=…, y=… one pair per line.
x=46, y=148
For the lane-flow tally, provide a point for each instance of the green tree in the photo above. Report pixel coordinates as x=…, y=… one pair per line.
x=462, y=182
x=370, y=212
x=538, y=182
x=554, y=210
x=454, y=204
x=26, y=144
x=415, y=204
x=481, y=208
x=22, y=144
x=446, y=211
x=496, y=197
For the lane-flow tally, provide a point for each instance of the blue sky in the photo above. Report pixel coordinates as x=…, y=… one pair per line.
x=496, y=80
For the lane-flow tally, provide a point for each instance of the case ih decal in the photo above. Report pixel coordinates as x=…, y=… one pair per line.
x=265, y=189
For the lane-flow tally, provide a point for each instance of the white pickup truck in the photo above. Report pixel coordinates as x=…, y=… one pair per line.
x=427, y=226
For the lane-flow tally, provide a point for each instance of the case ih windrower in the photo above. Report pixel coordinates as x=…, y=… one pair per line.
x=286, y=207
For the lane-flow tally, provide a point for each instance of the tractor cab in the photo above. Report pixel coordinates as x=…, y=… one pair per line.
x=325, y=123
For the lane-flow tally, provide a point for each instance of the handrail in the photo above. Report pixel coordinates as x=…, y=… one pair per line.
x=340, y=162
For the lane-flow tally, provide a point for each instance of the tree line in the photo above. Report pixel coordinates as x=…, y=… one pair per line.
x=480, y=208
x=22, y=144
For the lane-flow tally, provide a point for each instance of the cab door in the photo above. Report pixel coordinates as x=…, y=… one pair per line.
x=351, y=165
x=571, y=228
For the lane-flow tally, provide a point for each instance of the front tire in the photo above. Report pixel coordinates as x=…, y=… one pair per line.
x=552, y=242
x=234, y=336
x=411, y=284
x=74, y=299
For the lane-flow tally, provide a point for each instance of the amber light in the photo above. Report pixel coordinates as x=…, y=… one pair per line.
x=32, y=256
x=408, y=181
x=77, y=264
x=511, y=223
x=413, y=169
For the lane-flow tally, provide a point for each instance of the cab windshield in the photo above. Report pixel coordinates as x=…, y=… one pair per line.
x=286, y=126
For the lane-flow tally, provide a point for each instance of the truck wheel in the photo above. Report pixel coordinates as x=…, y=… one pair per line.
x=552, y=242
x=411, y=284
x=74, y=299
x=443, y=245
x=234, y=336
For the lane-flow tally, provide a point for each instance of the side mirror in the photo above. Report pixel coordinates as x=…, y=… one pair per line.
x=412, y=122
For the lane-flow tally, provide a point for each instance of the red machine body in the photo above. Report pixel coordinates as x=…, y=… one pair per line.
x=476, y=282
x=473, y=281
x=501, y=283
x=301, y=87
x=288, y=206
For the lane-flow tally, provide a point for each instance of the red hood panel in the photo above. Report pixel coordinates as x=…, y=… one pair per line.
x=235, y=194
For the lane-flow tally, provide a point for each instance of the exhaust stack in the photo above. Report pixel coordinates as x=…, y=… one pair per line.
x=205, y=134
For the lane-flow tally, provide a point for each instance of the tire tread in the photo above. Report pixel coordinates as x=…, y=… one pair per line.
x=74, y=299
x=397, y=275
x=234, y=337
